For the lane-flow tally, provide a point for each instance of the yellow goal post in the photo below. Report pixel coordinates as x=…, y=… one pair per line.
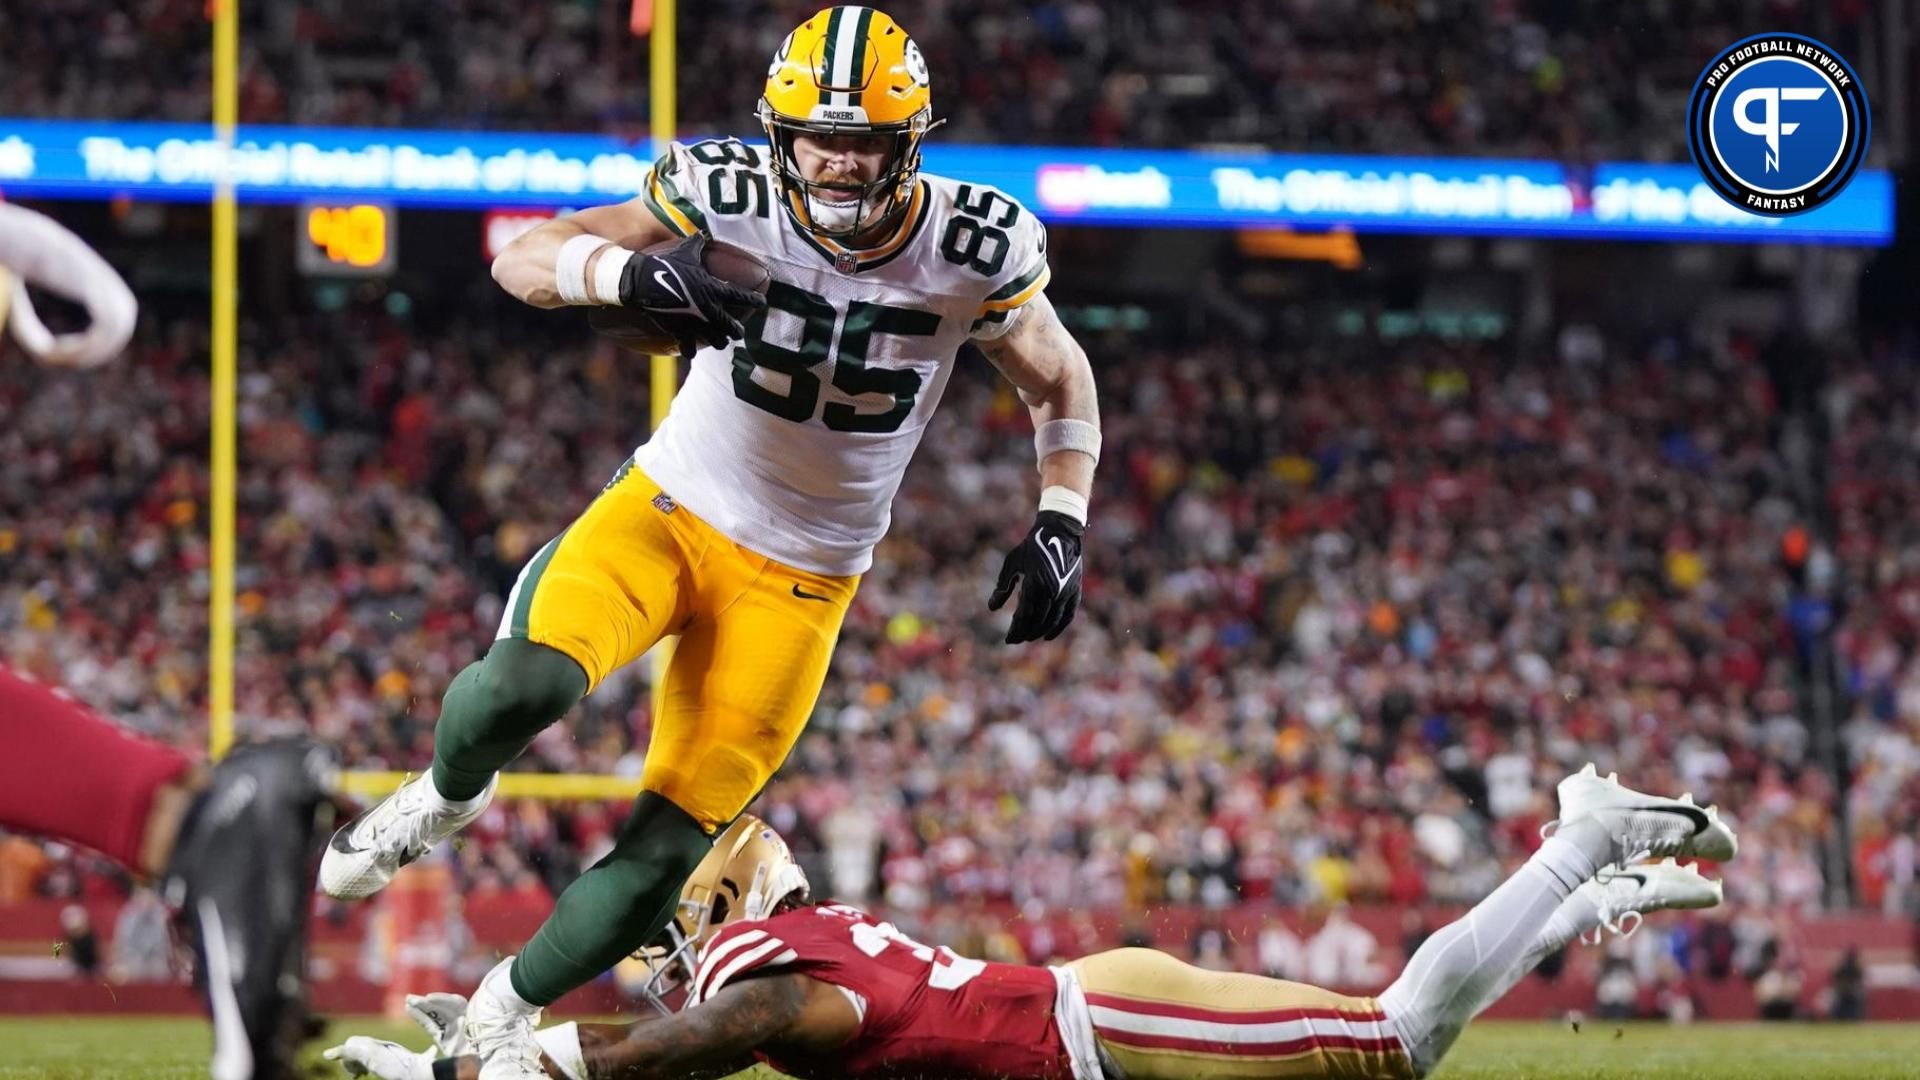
x=664, y=375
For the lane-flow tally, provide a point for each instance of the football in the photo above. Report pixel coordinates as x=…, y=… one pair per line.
x=631, y=328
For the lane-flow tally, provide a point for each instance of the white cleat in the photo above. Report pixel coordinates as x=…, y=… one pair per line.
x=366, y=852
x=1646, y=825
x=499, y=1029
x=1624, y=896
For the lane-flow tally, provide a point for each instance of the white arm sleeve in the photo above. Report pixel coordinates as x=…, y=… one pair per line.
x=42, y=252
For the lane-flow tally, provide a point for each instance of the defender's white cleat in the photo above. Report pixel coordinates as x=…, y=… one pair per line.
x=499, y=1029
x=366, y=852
x=1623, y=896
x=1646, y=825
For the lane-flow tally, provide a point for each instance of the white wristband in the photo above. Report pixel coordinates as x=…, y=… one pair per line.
x=606, y=275
x=1065, y=500
x=562, y=1043
x=570, y=268
x=1056, y=435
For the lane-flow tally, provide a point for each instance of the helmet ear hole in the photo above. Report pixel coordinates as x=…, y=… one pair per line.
x=722, y=907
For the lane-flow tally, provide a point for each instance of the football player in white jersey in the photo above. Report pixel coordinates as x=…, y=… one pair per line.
x=745, y=523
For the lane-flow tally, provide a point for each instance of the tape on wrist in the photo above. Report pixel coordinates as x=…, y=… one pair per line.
x=570, y=269
x=1065, y=500
x=1057, y=435
x=606, y=275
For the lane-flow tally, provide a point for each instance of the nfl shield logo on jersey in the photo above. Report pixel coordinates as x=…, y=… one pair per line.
x=846, y=262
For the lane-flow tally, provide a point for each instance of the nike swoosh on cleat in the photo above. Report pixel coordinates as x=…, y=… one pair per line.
x=1691, y=813
x=1630, y=876
x=342, y=841
x=805, y=595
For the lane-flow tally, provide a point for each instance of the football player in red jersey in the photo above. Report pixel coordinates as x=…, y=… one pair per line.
x=829, y=991
x=231, y=847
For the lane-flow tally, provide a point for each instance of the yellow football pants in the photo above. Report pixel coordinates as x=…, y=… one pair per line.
x=1160, y=1019
x=755, y=636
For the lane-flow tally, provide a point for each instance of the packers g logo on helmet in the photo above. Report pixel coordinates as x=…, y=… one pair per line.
x=847, y=71
x=916, y=64
x=780, y=56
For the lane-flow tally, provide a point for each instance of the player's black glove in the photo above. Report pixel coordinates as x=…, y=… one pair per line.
x=687, y=301
x=1047, y=566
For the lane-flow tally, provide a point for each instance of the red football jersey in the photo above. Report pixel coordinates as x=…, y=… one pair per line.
x=926, y=1013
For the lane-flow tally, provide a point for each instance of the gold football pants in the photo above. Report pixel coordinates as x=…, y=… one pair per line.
x=756, y=636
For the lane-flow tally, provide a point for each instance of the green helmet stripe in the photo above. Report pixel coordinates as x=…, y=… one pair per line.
x=829, y=71
x=856, y=63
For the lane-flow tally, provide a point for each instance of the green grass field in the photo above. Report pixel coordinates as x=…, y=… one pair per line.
x=153, y=1049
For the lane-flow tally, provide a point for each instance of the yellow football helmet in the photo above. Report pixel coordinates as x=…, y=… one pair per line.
x=746, y=877
x=847, y=71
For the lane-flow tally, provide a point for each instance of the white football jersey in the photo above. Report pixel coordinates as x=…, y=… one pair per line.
x=794, y=441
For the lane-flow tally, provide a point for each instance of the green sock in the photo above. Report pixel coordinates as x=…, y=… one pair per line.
x=618, y=905
x=495, y=707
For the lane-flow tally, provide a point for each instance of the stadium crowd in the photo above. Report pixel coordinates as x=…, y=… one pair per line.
x=1572, y=81
x=1351, y=611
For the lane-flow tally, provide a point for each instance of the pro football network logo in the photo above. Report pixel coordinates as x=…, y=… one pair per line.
x=1778, y=124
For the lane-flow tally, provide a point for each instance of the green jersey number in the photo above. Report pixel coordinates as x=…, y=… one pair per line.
x=976, y=237
x=737, y=191
x=741, y=189
x=851, y=375
x=725, y=152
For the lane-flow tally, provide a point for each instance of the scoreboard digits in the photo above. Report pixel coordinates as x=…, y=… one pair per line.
x=355, y=240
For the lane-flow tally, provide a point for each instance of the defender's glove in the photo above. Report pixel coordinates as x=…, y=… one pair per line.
x=363, y=1056
x=675, y=288
x=441, y=1016
x=1047, y=566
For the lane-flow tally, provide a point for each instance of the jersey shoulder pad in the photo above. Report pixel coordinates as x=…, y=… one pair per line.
x=736, y=950
x=1000, y=246
x=692, y=184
